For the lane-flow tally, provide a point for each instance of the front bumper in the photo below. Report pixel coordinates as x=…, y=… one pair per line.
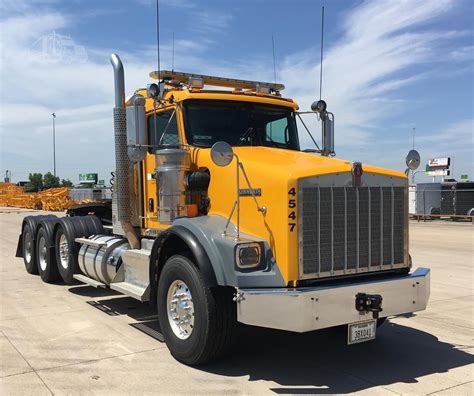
x=313, y=308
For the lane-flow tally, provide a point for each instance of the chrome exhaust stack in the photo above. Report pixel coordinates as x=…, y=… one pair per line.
x=123, y=187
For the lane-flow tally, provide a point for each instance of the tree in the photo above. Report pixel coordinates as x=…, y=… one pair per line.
x=51, y=181
x=66, y=183
x=36, y=182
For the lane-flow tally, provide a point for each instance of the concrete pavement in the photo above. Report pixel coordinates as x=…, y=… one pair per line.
x=79, y=340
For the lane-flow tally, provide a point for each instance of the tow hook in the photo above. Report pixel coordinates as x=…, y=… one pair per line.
x=369, y=303
x=238, y=296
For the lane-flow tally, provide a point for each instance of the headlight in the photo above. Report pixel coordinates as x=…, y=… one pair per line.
x=248, y=255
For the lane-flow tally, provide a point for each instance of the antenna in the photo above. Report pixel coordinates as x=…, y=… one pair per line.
x=172, y=56
x=274, y=65
x=321, y=66
x=158, y=37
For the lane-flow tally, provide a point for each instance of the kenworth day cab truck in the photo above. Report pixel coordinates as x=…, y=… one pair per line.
x=219, y=217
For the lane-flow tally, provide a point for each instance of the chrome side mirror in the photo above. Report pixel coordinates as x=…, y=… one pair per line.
x=222, y=154
x=328, y=133
x=413, y=159
x=136, y=128
x=327, y=127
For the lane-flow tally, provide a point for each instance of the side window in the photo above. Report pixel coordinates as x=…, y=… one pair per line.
x=277, y=131
x=166, y=129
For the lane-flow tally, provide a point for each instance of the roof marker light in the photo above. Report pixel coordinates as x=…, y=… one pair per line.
x=196, y=82
x=262, y=89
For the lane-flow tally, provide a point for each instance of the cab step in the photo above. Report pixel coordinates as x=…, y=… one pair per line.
x=129, y=289
x=133, y=276
x=88, y=281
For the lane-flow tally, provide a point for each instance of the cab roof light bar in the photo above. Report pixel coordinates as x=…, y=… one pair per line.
x=185, y=78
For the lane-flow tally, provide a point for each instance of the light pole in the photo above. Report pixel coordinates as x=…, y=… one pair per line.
x=54, y=142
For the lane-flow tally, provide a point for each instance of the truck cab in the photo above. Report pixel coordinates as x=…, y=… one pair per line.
x=219, y=217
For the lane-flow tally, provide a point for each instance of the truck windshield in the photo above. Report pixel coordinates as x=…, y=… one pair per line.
x=239, y=124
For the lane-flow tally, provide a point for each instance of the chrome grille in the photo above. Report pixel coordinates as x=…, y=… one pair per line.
x=346, y=230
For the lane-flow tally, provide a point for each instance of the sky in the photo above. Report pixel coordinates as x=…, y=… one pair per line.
x=389, y=67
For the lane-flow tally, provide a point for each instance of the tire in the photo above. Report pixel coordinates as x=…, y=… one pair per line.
x=65, y=256
x=29, y=250
x=46, y=258
x=66, y=248
x=209, y=332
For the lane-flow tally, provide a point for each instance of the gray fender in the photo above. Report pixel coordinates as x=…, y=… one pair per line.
x=220, y=250
x=179, y=234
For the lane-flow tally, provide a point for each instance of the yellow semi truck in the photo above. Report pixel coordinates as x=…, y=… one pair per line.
x=219, y=217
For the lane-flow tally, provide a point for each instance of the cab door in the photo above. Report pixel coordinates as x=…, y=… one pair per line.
x=165, y=133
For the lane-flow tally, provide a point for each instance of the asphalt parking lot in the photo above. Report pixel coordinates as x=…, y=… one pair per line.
x=58, y=339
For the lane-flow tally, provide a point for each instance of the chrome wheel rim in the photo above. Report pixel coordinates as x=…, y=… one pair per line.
x=27, y=247
x=180, y=309
x=63, y=251
x=42, y=250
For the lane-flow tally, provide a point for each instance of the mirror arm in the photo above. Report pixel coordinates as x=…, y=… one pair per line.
x=230, y=217
x=236, y=203
x=263, y=209
x=307, y=130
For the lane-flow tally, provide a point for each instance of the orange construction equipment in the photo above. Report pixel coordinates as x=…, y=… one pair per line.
x=54, y=199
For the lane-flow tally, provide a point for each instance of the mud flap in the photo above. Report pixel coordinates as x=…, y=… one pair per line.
x=19, y=247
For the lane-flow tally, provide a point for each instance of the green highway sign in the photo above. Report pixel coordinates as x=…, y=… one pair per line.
x=88, y=178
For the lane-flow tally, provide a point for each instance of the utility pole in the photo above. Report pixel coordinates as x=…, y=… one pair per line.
x=8, y=176
x=54, y=143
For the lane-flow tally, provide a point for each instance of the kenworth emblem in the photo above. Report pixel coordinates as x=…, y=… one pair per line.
x=357, y=172
x=247, y=192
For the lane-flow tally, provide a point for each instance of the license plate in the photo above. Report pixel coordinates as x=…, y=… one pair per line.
x=361, y=331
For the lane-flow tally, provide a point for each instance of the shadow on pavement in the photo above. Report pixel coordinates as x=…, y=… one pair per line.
x=317, y=362
x=324, y=360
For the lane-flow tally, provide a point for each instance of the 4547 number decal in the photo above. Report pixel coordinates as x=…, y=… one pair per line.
x=292, y=209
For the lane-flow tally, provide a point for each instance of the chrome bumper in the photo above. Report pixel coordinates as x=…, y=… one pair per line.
x=313, y=308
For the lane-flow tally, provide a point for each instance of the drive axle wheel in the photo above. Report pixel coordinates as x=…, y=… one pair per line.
x=29, y=253
x=27, y=246
x=65, y=255
x=67, y=249
x=197, y=322
x=47, y=266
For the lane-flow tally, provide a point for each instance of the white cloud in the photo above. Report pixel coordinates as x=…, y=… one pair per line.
x=363, y=72
x=463, y=53
x=381, y=40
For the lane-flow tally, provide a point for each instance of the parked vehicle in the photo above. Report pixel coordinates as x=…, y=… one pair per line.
x=219, y=217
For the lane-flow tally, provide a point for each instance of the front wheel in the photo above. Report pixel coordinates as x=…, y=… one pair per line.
x=198, y=323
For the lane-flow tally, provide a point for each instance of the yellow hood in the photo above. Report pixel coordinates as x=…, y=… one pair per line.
x=297, y=164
